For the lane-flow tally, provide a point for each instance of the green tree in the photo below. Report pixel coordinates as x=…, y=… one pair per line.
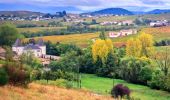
x=8, y=35
x=102, y=35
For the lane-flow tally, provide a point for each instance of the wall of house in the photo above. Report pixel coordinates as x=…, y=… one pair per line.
x=18, y=50
x=43, y=48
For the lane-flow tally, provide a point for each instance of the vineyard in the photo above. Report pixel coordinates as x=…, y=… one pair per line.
x=159, y=33
x=39, y=29
x=79, y=39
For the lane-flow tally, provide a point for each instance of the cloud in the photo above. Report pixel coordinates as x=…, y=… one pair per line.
x=91, y=5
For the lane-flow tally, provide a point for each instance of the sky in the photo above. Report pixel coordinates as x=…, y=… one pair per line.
x=79, y=6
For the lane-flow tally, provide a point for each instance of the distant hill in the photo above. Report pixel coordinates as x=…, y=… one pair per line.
x=20, y=13
x=115, y=11
x=159, y=11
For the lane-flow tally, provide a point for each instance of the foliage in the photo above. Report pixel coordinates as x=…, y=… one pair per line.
x=147, y=44
x=142, y=46
x=102, y=35
x=164, y=42
x=101, y=49
x=120, y=90
x=110, y=69
x=133, y=48
x=9, y=54
x=157, y=81
x=163, y=61
x=136, y=70
x=18, y=74
x=26, y=25
x=142, y=21
x=8, y=35
x=3, y=76
x=86, y=63
x=55, y=24
x=65, y=67
x=29, y=59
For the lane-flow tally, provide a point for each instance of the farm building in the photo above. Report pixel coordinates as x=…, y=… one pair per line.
x=38, y=49
x=122, y=33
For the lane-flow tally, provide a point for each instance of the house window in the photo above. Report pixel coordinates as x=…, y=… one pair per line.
x=38, y=50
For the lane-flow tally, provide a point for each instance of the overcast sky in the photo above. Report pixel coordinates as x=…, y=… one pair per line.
x=82, y=5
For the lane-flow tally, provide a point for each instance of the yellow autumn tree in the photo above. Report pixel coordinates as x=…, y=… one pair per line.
x=101, y=49
x=147, y=44
x=133, y=47
x=142, y=46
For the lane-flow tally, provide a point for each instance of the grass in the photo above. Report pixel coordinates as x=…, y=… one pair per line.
x=103, y=86
x=47, y=92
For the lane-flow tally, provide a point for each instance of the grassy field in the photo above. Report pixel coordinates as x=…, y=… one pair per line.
x=38, y=29
x=103, y=86
x=46, y=92
x=79, y=39
x=82, y=40
x=162, y=48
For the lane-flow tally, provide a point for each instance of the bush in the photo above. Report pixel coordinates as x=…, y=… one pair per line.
x=35, y=75
x=167, y=83
x=136, y=70
x=18, y=74
x=120, y=90
x=3, y=77
x=69, y=84
x=157, y=81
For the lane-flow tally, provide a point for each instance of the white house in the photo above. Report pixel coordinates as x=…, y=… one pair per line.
x=114, y=34
x=159, y=23
x=38, y=49
x=122, y=33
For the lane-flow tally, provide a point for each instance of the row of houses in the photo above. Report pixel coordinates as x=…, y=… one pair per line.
x=159, y=23
x=125, y=22
x=122, y=33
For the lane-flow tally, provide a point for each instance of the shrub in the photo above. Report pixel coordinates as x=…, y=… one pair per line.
x=35, y=75
x=157, y=81
x=136, y=70
x=120, y=90
x=18, y=74
x=69, y=84
x=167, y=83
x=3, y=77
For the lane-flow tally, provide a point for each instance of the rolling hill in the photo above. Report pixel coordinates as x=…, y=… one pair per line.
x=159, y=11
x=114, y=11
x=20, y=13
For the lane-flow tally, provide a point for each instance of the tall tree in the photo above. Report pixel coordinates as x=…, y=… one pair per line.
x=163, y=60
x=141, y=46
x=133, y=48
x=101, y=49
x=102, y=35
x=8, y=34
x=147, y=44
